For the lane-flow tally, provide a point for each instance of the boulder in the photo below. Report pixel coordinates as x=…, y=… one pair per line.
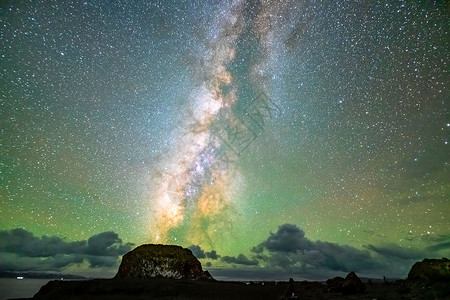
x=167, y=261
x=350, y=285
x=431, y=270
x=335, y=283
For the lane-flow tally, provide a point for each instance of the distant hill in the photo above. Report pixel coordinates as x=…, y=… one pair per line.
x=40, y=275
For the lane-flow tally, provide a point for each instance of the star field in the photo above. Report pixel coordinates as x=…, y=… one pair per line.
x=217, y=123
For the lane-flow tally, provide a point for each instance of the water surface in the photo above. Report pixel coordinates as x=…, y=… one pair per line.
x=25, y=288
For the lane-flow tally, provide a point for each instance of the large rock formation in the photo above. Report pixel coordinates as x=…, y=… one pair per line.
x=431, y=269
x=160, y=261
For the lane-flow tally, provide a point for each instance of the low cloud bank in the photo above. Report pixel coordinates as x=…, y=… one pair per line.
x=285, y=253
x=23, y=251
x=289, y=250
x=200, y=253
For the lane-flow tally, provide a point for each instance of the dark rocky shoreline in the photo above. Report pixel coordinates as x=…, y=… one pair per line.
x=167, y=288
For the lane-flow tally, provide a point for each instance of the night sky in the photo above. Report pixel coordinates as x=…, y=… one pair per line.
x=276, y=139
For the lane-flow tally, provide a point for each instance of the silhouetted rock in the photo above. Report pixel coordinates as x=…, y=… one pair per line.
x=334, y=284
x=167, y=261
x=431, y=270
x=350, y=285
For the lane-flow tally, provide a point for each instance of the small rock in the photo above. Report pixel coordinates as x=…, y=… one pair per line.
x=334, y=284
x=350, y=285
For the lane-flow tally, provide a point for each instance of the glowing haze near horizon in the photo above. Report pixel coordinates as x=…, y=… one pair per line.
x=120, y=116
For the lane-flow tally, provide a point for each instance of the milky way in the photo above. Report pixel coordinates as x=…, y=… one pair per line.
x=199, y=171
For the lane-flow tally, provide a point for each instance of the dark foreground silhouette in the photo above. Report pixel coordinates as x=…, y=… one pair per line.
x=166, y=288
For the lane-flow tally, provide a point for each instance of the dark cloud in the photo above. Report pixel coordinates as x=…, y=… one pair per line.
x=288, y=252
x=212, y=255
x=289, y=248
x=24, y=243
x=21, y=250
x=106, y=244
x=102, y=261
x=200, y=253
x=14, y=262
x=197, y=251
x=392, y=250
x=241, y=259
x=288, y=238
x=439, y=247
x=436, y=238
x=436, y=243
x=59, y=261
x=430, y=239
x=344, y=258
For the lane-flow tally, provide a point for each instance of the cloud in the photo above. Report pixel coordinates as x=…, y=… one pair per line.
x=289, y=248
x=241, y=259
x=22, y=251
x=288, y=238
x=102, y=261
x=439, y=247
x=212, y=255
x=392, y=250
x=435, y=244
x=289, y=253
x=435, y=238
x=14, y=262
x=197, y=251
x=200, y=253
x=24, y=243
x=106, y=244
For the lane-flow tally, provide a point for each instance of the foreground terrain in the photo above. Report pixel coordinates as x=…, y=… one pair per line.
x=164, y=288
